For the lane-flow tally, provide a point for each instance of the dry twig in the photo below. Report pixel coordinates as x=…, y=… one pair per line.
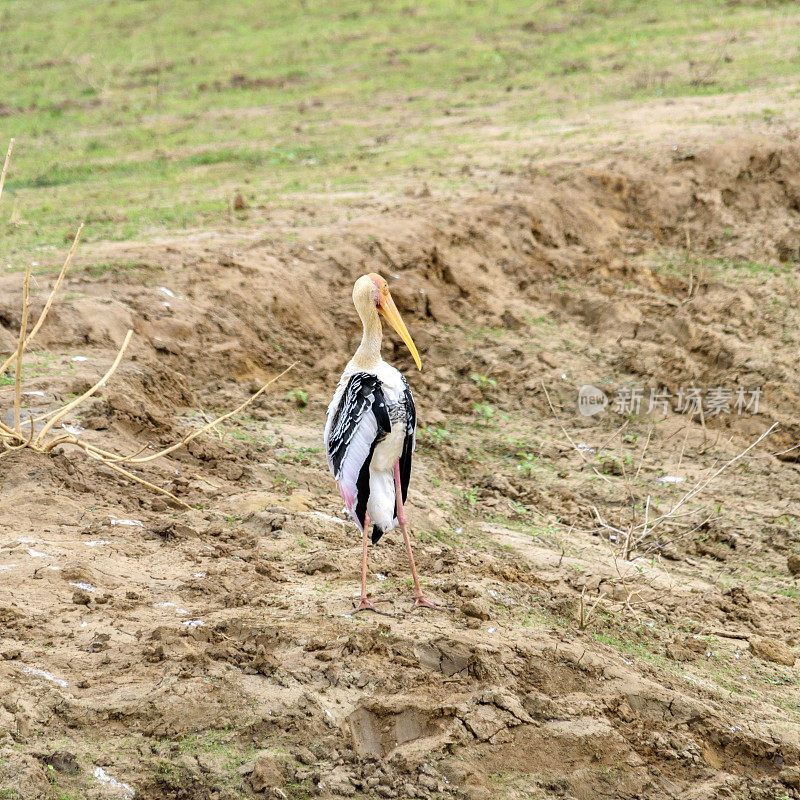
x=23, y=326
x=637, y=533
x=5, y=166
x=584, y=614
x=13, y=438
x=634, y=536
x=571, y=440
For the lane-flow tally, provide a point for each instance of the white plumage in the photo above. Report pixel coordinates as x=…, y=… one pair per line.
x=370, y=431
x=386, y=453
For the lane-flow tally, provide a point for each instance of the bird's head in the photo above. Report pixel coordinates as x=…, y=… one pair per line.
x=373, y=290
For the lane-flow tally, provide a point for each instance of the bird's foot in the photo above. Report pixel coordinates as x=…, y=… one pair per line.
x=369, y=605
x=420, y=601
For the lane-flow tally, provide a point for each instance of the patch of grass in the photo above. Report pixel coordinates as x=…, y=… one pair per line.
x=116, y=268
x=299, y=790
x=643, y=651
x=221, y=745
x=218, y=743
x=441, y=536
x=432, y=435
x=484, y=382
x=285, y=484
x=541, y=319
x=43, y=363
x=518, y=784
x=729, y=270
x=149, y=122
x=301, y=455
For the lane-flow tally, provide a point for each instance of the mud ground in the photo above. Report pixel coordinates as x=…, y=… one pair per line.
x=211, y=653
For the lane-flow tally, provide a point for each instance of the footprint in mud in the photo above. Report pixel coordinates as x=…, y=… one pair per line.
x=378, y=732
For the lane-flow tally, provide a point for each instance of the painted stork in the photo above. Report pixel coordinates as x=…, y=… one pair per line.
x=370, y=431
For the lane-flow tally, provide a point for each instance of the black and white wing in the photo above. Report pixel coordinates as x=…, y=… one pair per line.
x=410, y=441
x=357, y=420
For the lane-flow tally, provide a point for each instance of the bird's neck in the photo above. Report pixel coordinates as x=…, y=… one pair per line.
x=368, y=354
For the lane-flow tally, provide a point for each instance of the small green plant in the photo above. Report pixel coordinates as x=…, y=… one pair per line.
x=612, y=465
x=435, y=434
x=484, y=382
x=285, y=484
x=527, y=461
x=470, y=495
x=483, y=411
x=299, y=397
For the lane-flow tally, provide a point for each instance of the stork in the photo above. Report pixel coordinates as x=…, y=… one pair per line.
x=370, y=431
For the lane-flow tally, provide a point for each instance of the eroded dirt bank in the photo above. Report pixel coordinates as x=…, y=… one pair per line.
x=210, y=653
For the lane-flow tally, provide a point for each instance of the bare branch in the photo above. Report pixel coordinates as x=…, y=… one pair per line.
x=644, y=452
x=50, y=299
x=571, y=441
x=23, y=326
x=12, y=438
x=10, y=448
x=213, y=424
x=116, y=468
x=5, y=166
x=704, y=482
x=61, y=413
x=584, y=614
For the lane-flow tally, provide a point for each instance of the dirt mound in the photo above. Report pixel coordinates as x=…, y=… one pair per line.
x=211, y=653
x=737, y=200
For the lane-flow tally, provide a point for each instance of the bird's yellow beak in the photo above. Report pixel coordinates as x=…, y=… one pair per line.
x=390, y=313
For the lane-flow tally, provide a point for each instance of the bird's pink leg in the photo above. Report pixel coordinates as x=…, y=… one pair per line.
x=366, y=604
x=419, y=598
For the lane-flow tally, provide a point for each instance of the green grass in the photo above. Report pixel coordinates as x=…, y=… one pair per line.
x=711, y=268
x=147, y=117
x=220, y=743
x=118, y=268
